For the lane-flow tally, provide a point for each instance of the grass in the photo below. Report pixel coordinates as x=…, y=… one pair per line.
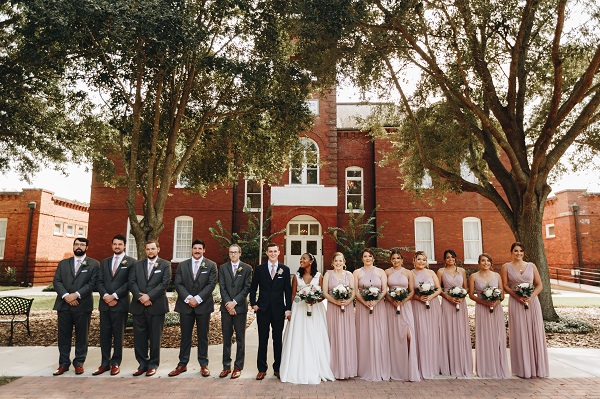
x=10, y=287
x=5, y=380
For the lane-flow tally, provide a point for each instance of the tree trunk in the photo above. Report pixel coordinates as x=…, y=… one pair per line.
x=529, y=233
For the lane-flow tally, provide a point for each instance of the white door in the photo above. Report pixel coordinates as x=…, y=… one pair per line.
x=303, y=235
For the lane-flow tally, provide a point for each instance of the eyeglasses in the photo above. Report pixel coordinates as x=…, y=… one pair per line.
x=234, y=252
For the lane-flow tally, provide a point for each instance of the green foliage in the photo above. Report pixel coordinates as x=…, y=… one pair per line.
x=248, y=239
x=49, y=288
x=9, y=275
x=568, y=325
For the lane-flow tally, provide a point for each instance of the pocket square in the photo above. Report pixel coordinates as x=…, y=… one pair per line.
x=158, y=271
x=279, y=277
x=203, y=272
x=84, y=271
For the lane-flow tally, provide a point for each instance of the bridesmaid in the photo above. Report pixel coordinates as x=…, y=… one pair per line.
x=371, y=329
x=490, y=332
x=401, y=327
x=427, y=321
x=341, y=325
x=456, y=356
x=528, y=353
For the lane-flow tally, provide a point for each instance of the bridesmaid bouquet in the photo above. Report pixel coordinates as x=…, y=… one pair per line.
x=457, y=292
x=399, y=294
x=370, y=294
x=342, y=291
x=426, y=288
x=525, y=290
x=310, y=294
x=491, y=294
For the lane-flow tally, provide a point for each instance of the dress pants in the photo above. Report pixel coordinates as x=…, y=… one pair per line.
x=268, y=321
x=187, y=322
x=147, y=329
x=229, y=323
x=112, y=326
x=81, y=322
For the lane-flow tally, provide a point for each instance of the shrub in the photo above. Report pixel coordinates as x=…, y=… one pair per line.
x=49, y=288
x=568, y=325
x=9, y=275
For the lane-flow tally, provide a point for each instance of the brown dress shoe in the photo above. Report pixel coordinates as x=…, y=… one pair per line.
x=79, y=369
x=236, y=373
x=204, y=371
x=150, y=372
x=224, y=373
x=115, y=369
x=261, y=375
x=139, y=372
x=100, y=370
x=61, y=370
x=178, y=370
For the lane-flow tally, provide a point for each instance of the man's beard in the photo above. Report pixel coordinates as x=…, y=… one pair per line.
x=152, y=257
x=79, y=252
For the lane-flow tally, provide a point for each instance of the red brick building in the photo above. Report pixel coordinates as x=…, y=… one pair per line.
x=55, y=222
x=340, y=167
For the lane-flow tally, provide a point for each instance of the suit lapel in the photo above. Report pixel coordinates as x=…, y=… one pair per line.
x=231, y=271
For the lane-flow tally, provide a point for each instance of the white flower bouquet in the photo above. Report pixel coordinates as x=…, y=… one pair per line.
x=310, y=294
x=457, y=292
x=491, y=294
x=425, y=289
x=399, y=294
x=342, y=291
x=370, y=294
x=525, y=290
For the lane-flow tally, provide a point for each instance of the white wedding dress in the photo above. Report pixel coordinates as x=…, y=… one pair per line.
x=306, y=354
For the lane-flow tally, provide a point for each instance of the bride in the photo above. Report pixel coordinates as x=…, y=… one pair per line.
x=305, y=358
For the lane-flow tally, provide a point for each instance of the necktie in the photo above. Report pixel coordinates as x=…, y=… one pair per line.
x=77, y=265
x=272, y=272
x=115, y=265
x=150, y=266
x=234, y=269
x=196, y=268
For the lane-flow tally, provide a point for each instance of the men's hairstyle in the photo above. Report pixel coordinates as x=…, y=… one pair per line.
x=198, y=242
x=153, y=242
x=272, y=244
x=120, y=237
x=517, y=244
x=82, y=239
x=236, y=246
x=484, y=255
x=396, y=251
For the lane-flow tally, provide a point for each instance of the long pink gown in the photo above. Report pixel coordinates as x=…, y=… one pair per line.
x=342, y=333
x=427, y=330
x=490, y=337
x=371, y=335
x=528, y=353
x=456, y=356
x=404, y=363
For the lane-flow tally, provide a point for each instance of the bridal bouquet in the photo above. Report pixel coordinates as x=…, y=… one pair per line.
x=457, y=292
x=525, y=290
x=310, y=294
x=425, y=289
x=491, y=294
x=342, y=291
x=399, y=294
x=370, y=294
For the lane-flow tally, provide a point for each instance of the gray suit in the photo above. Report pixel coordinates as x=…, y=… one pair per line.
x=234, y=287
x=203, y=286
x=148, y=321
x=113, y=318
x=67, y=282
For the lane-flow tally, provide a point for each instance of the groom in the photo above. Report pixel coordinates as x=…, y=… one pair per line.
x=273, y=306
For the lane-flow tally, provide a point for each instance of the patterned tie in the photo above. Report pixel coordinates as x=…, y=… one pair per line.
x=150, y=266
x=115, y=265
x=272, y=272
x=196, y=268
x=77, y=265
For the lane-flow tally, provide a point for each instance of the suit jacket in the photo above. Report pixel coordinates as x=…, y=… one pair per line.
x=155, y=286
x=203, y=285
x=67, y=282
x=119, y=284
x=275, y=293
x=235, y=287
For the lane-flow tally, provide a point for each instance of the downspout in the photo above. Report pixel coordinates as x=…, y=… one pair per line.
x=575, y=208
x=31, y=207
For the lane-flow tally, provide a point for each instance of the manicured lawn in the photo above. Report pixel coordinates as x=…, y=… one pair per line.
x=10, y=288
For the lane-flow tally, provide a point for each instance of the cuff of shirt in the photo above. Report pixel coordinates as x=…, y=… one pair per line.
x=187, y=298
x=63, y=297
x=198, y=299
x=78, y=294
x=115, y=295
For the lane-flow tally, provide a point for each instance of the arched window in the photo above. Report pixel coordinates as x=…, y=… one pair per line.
x=305, y=170
x=424, y=237
x=472, y=239
x=182, y=241
x=354, y=189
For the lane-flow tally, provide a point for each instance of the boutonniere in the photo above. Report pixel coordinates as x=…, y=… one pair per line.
x=203, y=265
x=280, y=272
x=156, y=265
x=84, y=263
x=239, y=269
x=123, y=262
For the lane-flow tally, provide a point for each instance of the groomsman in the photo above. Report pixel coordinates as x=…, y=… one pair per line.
x=74, y=282
x=148, y=282
x=195, y=280
x=274, y=304
x=113, y=280
x=235, y=278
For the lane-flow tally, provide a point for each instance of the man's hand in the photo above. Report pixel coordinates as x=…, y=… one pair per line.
x=255, y=308
x=72, y=299
x=114, y=302
x=288, y=314
x=230, y=306
x=144, y=298
x=192, y=302
x=232, y=312
x=108, y=299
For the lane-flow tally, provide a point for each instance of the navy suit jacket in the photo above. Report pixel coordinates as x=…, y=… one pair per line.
x=67, y=282
x=274, y=294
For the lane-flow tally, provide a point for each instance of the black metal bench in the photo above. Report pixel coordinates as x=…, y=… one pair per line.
x=14, y=309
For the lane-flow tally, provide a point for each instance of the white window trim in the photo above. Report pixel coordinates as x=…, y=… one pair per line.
x=62, y=229
x=420, y=219
x=548, y=227
x=181, y=219
x=67, y=230
x=246, y=197
x=305, y=168
x=3, y=221
x=84, y=228
x=362, y=188
x=472, y=261
x=131, y=240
